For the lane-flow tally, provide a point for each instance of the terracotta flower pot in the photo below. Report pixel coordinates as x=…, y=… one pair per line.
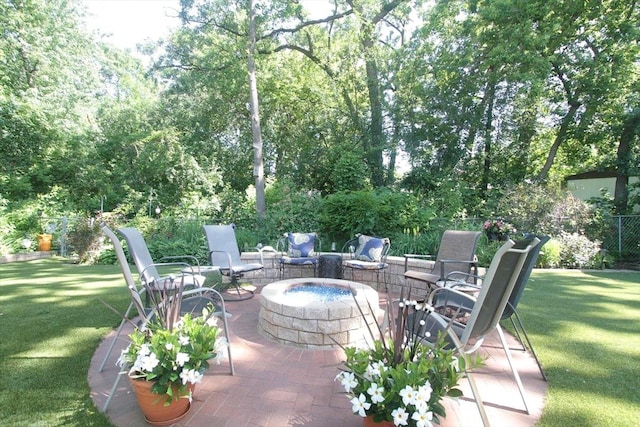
x=44, y=242
x=152, y=404
x=369, y=422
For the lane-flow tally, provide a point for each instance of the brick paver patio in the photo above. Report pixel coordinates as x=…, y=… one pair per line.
x=280, y=386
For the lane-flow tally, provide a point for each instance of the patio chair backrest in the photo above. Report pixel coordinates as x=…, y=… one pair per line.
x=140, y=253
x=126, y=271
x=496, y=289
x=457, y=245
x=523, y=278
x=223, y=245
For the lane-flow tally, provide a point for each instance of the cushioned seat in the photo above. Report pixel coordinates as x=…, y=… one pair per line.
x=367, y=253
x=299, y=249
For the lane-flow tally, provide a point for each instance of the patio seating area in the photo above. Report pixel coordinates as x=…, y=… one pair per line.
x=276, y=385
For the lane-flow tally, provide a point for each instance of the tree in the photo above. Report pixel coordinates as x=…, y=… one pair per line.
x=258, y=164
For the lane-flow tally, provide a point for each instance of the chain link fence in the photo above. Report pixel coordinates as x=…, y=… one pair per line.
x=622, y=237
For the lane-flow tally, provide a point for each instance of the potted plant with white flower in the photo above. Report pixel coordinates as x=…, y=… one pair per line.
x=168, y=355
x=400, y=381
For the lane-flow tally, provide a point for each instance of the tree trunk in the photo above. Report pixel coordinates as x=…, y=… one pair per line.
x=488, y=135
x=376, y=144
x=258, y=166
x=560, y=138
x=623, y=156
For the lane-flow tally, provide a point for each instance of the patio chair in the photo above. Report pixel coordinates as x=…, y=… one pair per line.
x=225, y=254
x=148, y=269
x=367, y=253
x=466, y=320
x=193, y=301
x=510, y=311
x=298, y=250
x=456, y=253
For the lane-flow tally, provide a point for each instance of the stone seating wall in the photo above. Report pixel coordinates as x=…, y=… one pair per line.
x=393, y=276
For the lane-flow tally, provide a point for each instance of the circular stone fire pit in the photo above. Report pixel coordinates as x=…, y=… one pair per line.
x=317, y=321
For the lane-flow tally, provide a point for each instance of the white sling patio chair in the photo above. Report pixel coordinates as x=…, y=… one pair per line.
x=225, y=254
x=193, y=300
x=148, y=269
x=474, y=318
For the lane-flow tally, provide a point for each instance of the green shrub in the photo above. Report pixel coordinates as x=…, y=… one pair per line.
x=380, y=212
x=537, y=209
x=550, y=254
x=85, y=238
x=415, y=241
x=577, y=251
x=288, y=209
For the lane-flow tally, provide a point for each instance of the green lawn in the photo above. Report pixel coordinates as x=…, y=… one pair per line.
x=585, y=327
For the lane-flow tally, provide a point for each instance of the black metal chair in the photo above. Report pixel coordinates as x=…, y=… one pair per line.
x=298, y=250
x=367, y=253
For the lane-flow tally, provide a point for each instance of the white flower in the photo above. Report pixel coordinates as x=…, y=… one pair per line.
x=212, y=321
x=168, y=346
x=375, y=369
x=144, y=350
x=191, y=376
x=423, y=395
x=376, y=393
x=422, y=418
x=348, y=381
x=400, y=417
x=360, y=405
x=122, y=360
x=182, y=358
x=408, y=395
x=146, y=362
x=183, y=340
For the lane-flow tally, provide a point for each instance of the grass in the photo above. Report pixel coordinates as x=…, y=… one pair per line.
x=52, y=320
x=584, y=326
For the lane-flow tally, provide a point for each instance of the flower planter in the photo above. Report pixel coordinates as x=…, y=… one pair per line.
x=44, y=242
x=152, y=404
x=369, y=422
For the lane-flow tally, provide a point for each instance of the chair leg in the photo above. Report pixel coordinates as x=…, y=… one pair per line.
x=514, y=371
x=112, y=392
x=106, y=356
x=526, y=336
x=234, y=283
x=472, y=382
x=225, y=325
x=384, y=280
x=476, y=396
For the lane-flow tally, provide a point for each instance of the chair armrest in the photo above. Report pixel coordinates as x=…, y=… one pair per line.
x=262, y=249
x=449, y=277
x=229, y=262
x=189, y=257
x=407, y=257
x=472, y=263
x=184, y=266
x=462, y=295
